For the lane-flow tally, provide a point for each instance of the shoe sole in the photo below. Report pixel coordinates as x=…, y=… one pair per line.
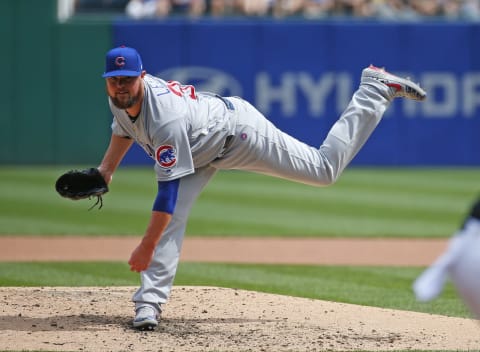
x=145, y=325
x=412, y=90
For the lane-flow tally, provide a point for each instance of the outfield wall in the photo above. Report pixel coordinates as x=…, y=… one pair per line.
x=300, y=74
x=53, y=97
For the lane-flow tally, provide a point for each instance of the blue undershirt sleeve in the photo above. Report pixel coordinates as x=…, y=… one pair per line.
x=166, y=196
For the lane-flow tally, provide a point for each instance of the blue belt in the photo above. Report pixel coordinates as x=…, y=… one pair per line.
x=227, y=102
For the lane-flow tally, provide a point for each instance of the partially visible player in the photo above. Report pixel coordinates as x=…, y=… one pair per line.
x=460, y=262
x=191, y=135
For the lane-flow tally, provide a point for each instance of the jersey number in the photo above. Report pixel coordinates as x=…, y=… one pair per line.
x=180, y=90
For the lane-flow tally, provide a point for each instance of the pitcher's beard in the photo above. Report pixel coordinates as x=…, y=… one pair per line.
x=125, y=104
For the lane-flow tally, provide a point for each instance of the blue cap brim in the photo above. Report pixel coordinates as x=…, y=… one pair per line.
x=122, y=73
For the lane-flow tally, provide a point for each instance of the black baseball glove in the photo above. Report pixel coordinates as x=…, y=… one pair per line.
x=81, y=184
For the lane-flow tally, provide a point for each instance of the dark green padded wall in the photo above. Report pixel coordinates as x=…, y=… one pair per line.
x=83, y=118
x=7, y=35
x=28, y=123
x=53, y=98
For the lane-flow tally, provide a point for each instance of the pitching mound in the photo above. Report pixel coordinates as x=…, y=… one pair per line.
x=217, y=319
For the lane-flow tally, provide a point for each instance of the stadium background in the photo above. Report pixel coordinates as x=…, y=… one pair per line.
x=414, y=179
x=299, y=73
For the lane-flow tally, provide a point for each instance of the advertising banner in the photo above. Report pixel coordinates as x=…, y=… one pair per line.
x=302, y=74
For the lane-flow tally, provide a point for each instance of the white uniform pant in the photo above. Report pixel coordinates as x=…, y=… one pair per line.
x=259, y=146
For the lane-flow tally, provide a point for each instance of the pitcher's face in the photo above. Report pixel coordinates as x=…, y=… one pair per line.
x=124, y=91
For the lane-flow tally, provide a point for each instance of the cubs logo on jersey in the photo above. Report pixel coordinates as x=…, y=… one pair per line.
x=166, y=156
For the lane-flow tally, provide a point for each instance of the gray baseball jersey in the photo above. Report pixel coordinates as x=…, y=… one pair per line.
x=179, y=128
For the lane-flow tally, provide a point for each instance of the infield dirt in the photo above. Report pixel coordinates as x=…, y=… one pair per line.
x=219, y=319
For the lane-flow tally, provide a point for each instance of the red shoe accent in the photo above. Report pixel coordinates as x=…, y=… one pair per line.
x=377, y=68
x=397, y=86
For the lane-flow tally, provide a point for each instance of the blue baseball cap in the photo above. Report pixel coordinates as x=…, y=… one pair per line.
x=123, y=61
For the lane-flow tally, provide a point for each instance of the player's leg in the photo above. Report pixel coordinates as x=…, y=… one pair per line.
x=460, y=261
x=157, y=280
x=465, y=273
x=261, y=147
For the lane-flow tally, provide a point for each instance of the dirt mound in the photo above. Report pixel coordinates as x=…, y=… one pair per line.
x=217, y=319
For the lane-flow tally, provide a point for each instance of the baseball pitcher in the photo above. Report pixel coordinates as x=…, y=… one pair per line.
x=191, y=135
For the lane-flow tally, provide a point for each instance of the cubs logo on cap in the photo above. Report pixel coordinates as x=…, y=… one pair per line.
x=166, y=156
x=119, y=61
x=123, y=61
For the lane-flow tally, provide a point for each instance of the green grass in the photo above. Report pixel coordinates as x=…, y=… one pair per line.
x=370, y=286
x=364, y=203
